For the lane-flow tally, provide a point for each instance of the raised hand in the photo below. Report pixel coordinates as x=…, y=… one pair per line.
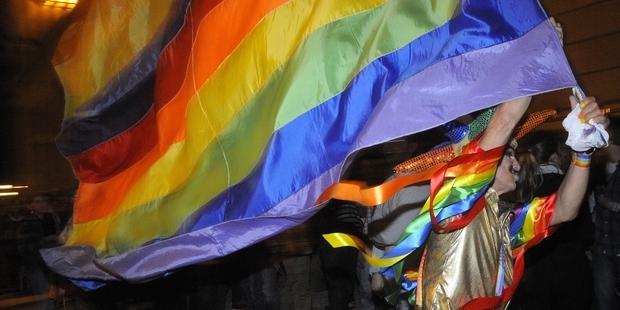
x=558, y=29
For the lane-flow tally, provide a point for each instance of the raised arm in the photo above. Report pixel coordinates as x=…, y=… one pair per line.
x=573, y=187
x=503, y=122
x=509, y=113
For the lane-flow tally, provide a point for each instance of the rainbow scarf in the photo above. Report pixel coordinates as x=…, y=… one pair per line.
x=531, y=223
x=197, y=128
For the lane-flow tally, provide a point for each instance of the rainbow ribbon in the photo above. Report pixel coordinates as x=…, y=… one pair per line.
x=450, y=197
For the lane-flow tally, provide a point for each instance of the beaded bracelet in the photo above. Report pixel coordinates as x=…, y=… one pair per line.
x=582, y=159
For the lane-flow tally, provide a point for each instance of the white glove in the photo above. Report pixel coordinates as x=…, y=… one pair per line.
x=584, y=136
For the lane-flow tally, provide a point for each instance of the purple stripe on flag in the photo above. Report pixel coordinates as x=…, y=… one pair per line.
x=529, y=65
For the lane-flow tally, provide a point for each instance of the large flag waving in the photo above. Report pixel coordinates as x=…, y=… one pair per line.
x=199, y=127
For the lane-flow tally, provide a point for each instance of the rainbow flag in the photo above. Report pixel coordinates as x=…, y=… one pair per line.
x=197, y=128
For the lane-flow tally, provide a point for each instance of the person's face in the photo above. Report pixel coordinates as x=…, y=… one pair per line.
x=507, y=174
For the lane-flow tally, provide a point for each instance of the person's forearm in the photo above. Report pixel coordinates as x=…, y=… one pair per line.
x=573, y=187
x=503, y=122
x=570, y=194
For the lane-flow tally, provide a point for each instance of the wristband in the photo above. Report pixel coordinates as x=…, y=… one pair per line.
x=582, y=159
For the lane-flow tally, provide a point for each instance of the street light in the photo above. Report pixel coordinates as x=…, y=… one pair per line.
x=10, y=187
x=62, y=4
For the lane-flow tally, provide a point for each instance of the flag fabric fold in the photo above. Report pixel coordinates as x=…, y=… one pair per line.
x=250, y=110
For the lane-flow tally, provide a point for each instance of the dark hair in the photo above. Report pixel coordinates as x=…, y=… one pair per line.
x=543, y=150
x=529, y=176
x=565, y=156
